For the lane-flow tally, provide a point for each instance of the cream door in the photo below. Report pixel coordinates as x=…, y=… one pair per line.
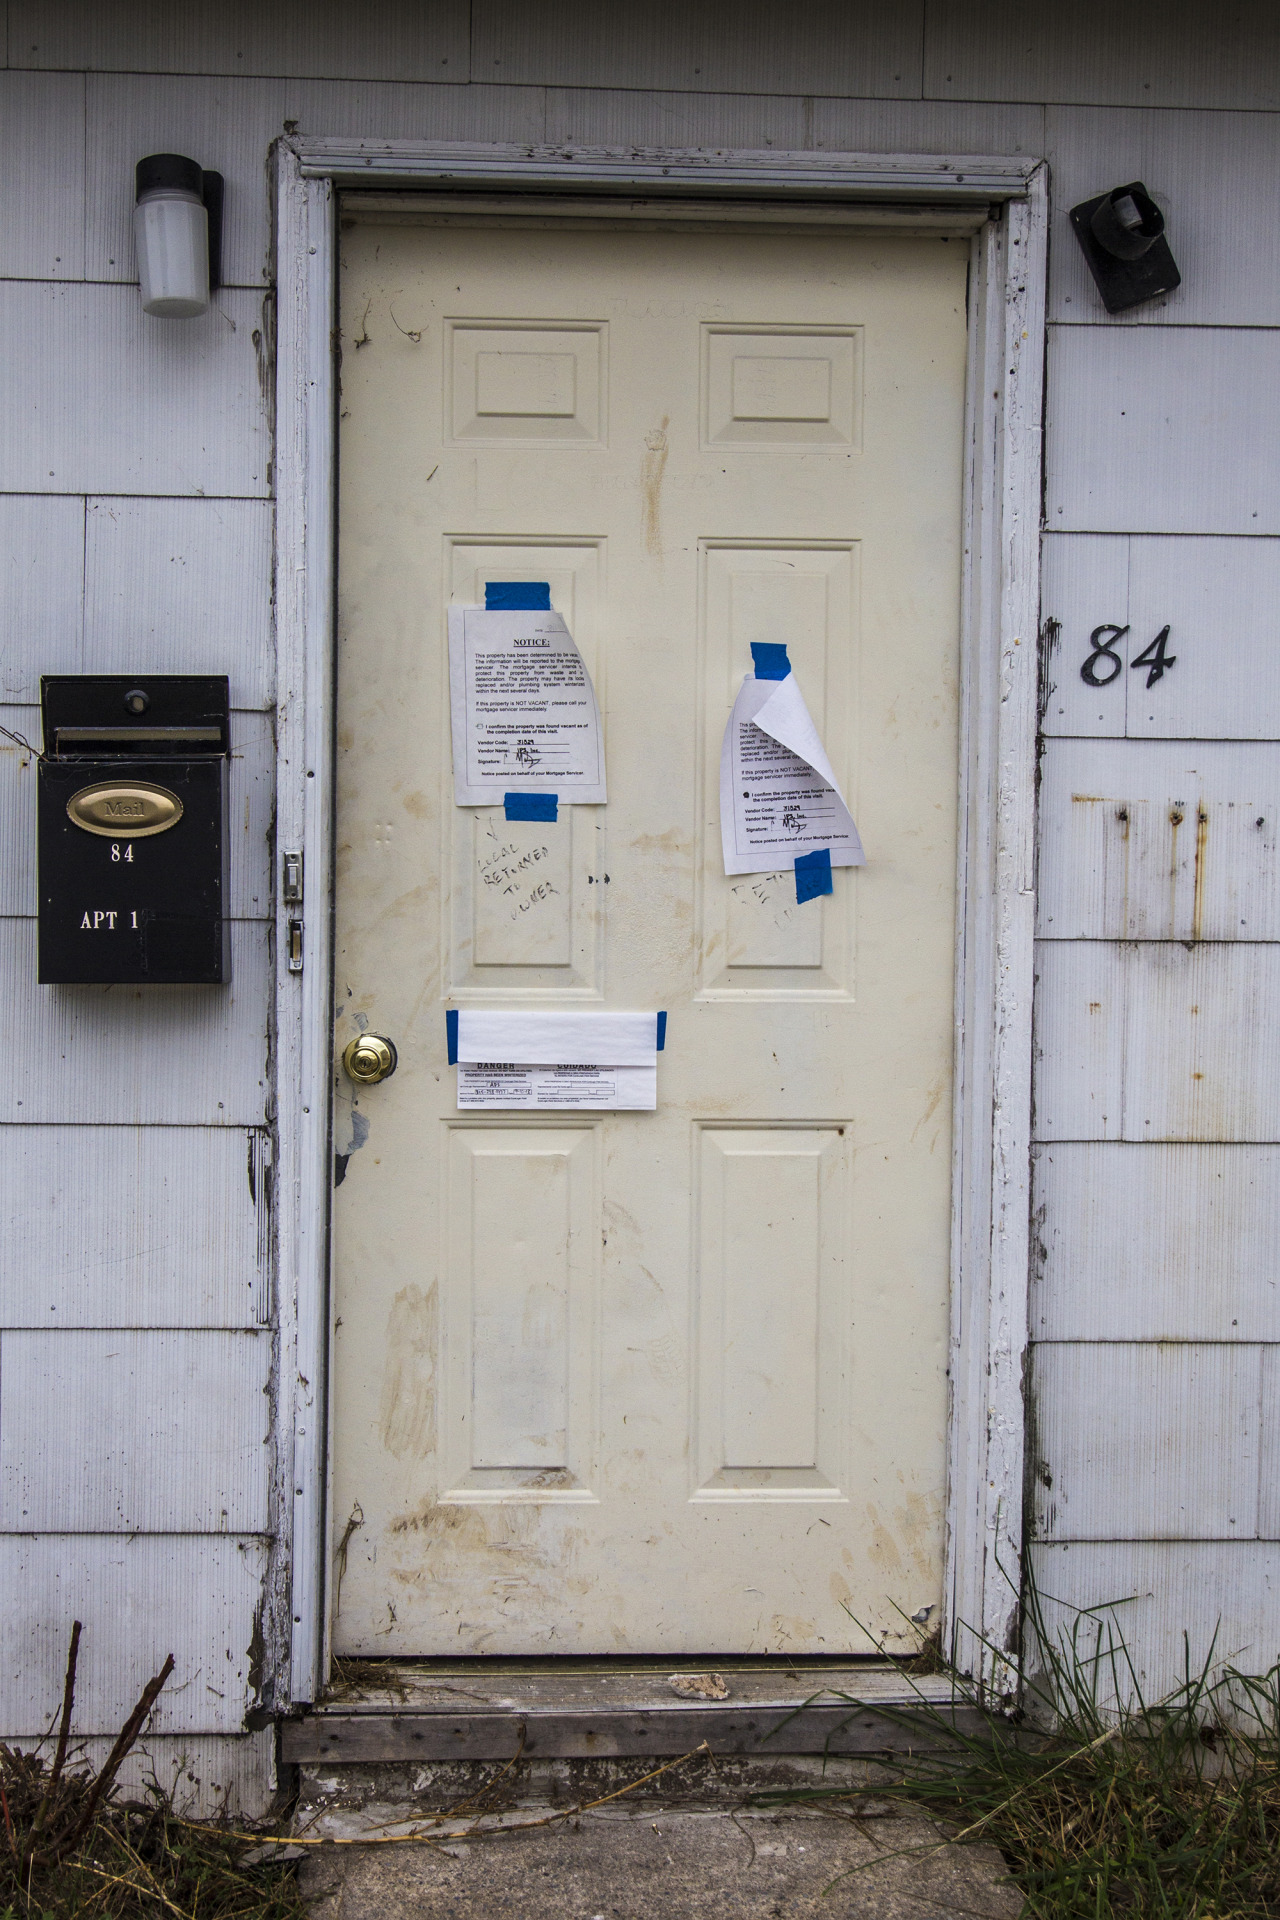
x=672, y=1381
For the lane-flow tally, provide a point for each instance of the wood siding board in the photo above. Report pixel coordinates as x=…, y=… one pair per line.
x=873, y=49
x=1158, y=1041
x=134, y=1432
x=1163, y=430
x=1079, y=1028
x=193, y=1056
x=99, y=398
x=1146, y=54
x=383, y=110
x=180, y=1227
x=1269, y=1456
x=18, y=811
x=383, y=39
x=41, y=590
x=1223, y=1595
x=1156, y=840
x=195, y=1596
x=207, y=1776
x=227, y=124
x=251, y=816
x=925, y=126
x=42, y=176
x=1196, y=166
x=1147, y=1241
x=1217, y=595
x=616, y=116
x=1084, y=583
x=181, y=586
x=251, y=798
x=1143, y=1442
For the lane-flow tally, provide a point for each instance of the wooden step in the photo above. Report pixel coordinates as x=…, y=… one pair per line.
x=395, y=1712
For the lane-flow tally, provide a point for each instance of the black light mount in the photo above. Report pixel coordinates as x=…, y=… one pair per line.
x=1121, y=234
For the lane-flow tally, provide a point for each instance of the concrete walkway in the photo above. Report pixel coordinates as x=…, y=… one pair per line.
x=669, y=1864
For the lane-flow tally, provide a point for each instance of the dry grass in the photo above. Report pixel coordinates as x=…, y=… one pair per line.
x=1168, y=1809
x=68, y=1847
x=138, y=1862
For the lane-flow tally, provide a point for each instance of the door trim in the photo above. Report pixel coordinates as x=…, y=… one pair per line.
x=1004, y=202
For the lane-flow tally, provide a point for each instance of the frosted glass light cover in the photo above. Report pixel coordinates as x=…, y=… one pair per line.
x=171, y=230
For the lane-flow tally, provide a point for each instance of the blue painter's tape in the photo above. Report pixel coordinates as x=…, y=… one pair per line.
x=813, y=874
x=451, y=1034
x=517, y=596
x=530, y=806
x=662, y=1031
x=770, y=660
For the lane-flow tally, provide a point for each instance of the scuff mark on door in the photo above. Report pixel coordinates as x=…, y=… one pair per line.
x=652, y=468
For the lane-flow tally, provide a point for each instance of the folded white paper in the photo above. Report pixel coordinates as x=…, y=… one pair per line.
x=523, y=710
x=534, y=1038
x=499, y=1085
x=778, y=793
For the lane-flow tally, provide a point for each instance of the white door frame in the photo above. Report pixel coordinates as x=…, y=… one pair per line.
x=1003, y=204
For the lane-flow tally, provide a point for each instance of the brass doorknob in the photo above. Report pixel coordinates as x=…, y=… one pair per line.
x=369, y=1058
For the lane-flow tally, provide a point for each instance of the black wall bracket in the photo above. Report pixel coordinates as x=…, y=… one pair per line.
x=1121, y=234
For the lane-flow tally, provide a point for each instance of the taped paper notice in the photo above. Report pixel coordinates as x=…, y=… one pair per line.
x=523, y=709
x=489, y=1085
x=585, y=1039
x=536, y=1059
x=778, y=794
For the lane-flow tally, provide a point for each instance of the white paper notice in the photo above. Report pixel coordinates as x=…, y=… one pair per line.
x=530, y=1058
x=778, y=794
x=486, y=1084
x=582, y=1038
x=523, y=709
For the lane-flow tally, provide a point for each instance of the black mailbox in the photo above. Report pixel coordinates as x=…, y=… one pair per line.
x=132, y=829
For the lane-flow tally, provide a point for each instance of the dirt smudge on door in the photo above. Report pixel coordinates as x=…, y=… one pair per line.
x=408, y=1406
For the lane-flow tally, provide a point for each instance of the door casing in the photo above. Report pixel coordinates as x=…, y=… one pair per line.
x=1002, y=204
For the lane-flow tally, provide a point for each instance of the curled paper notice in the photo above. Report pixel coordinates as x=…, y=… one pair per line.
x=778, y=794
x=523, y=709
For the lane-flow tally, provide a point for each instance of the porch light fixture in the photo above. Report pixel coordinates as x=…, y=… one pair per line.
x=1121, y=234
x=177, y=226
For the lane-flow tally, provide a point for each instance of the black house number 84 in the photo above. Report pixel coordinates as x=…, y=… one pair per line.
x=1102, y=664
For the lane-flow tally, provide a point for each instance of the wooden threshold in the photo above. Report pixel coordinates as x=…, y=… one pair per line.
x=428, y=1712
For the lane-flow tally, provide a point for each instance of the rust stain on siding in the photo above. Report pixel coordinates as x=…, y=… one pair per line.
x=1202, y=851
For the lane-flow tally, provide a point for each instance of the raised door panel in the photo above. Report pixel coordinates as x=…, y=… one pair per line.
x=771, y=1312
x=519, y=1415
x=527, y=912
